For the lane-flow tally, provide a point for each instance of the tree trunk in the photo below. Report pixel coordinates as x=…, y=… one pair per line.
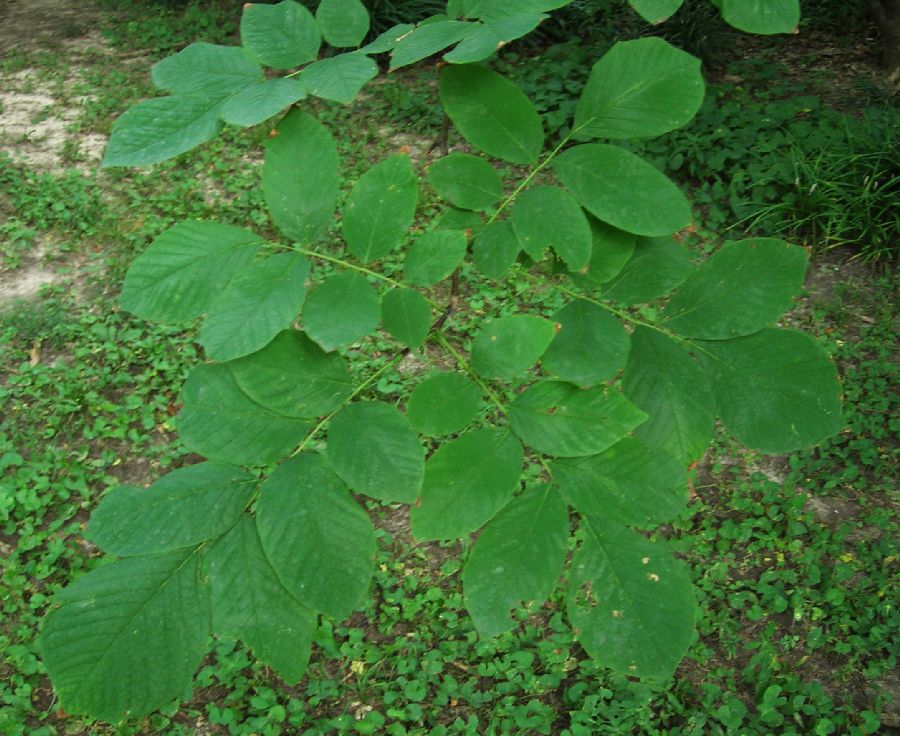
x=887, y=18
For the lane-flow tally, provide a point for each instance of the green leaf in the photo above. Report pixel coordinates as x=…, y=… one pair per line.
x=560, y=419
x=740, y=289
x=492, y=113
x=509, y=346
x=630, y=483
x=256, y=104
x=611, y=249
x=387, y=40
x=456, y=219
x=183, y=508
x=381, y=208
x=162, y=128
x=662, y=379
x=281, y=36
x=639, y=89
x=301, y=177
x=429, y=39
x=294, y=376
x=549, y=217
x=434, y=256
x=220, y=421
x=495, y=249
x=206, y=70
x=406, y=315
x=319, y=541
x=339, y=78
x=344, y=23
x=492, y=36
x=375, y=451
x=466, y=181
x=630, y=602
x=443, y=403
x=590, y=347
x=656, y=266
x=762, y=16
x=494, y=9
x=655, y=11
x=467, y=481
x=623, y=190
x=341, y=310
x=777, y=390
x=257, y=304
x=518, y=558
x=185, y=270
x=127, y=637
x=250, y=603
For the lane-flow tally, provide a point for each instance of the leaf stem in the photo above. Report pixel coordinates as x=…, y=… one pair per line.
x=356, y=392
x=527, y=180
x=464, y=364
x=353, y=267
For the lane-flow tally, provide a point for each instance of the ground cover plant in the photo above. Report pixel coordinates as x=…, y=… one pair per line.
x=623, y=698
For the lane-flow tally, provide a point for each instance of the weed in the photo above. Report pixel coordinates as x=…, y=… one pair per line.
x=845, y=193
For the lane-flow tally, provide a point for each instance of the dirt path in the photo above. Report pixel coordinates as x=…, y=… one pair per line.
x=45, y=45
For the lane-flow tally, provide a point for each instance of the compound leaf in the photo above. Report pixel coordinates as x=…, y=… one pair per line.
x=341, y=310
x=344, y=23
x=549, y=217
x=454, y=218
x=301, y=177
x=630, y=602
x=339, y=78
x=662, y=379
x=281, y=36
x=639, y=89
x=590, y=347
x=742, y=288
x=161, y=128
x=495, y=249
x=655, y=11
x=126, y=638
x=375, y=451
x=466, y=181
x=257, y=304
x=762, y=16
x=611, y=249
x=250, y=603
x=206, y=70
x=294, y=377
x=487, y=38
x=509, y=346
x=443, y=403
x=518, y=558
x=560, y=419
x=434, y=256
x=428, y=39
x=183, y=508
x=467, y=481
x=656, y=266
x=185, y=270
x=259, y=102
x=319, y=541
x=623, y=190
x=630, y=483
x=220, y=421
x=388, y=40
x=492, y=113
x=406, y=315
x=777, y=389
x=381, y=208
